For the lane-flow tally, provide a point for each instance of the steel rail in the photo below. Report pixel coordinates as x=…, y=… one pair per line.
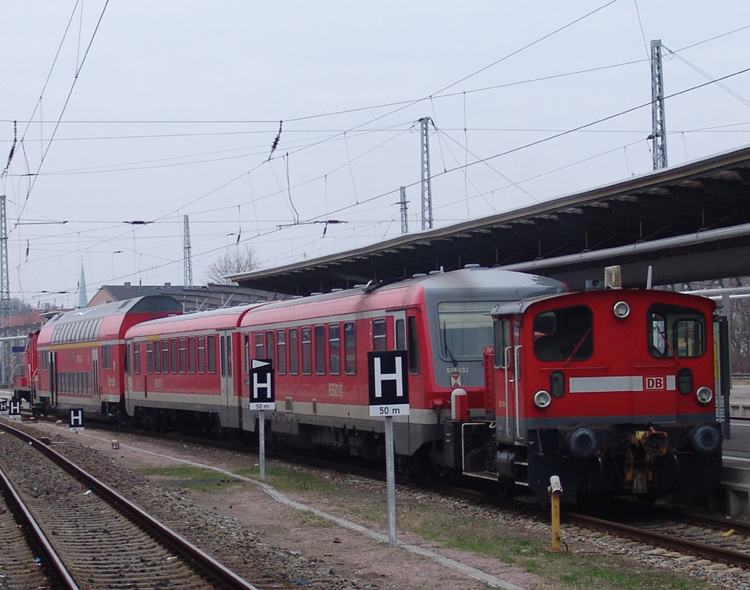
x=22, y=513
x=665, y=541
x=156, y=528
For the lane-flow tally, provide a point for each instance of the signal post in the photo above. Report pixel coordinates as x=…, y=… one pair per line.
x=389, y=397
x=262, y=399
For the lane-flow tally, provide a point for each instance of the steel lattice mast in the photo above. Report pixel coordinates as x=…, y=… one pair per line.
x=426, y=177
x=658, y=123
x=5, y=357
x=4, y=280
x=186, y=255
x=404, y=212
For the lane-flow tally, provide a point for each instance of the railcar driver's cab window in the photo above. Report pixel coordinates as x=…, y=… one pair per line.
x=565, y=334
x=675, y=331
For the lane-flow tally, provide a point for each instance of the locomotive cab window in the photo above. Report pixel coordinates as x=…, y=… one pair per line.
x=675, y=331
x=564, y=334
x=465, y=329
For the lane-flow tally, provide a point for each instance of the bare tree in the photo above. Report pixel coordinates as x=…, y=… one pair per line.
x=235, y=261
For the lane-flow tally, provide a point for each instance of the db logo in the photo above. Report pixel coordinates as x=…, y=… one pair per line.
x=654, y=382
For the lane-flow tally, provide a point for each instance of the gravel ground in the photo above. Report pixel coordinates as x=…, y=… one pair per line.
x=242, y=525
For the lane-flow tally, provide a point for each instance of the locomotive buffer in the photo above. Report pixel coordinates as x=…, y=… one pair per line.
x=389, y=397
x=262, y=399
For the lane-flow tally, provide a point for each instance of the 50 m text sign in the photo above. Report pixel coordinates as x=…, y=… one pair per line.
x=389, y=383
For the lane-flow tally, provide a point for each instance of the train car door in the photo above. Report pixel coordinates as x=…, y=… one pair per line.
x=508, y=385
x=52, y=379
x=399, y=329
x=229, y=403
x=95, y=377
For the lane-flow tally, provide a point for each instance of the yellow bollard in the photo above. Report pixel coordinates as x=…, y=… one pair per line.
x=555, y=491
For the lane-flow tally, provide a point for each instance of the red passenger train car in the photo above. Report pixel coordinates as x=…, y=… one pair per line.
x=81, y=354
x=185, y=371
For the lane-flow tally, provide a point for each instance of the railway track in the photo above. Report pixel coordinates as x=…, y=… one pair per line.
x=103, y=540
x=690, y=534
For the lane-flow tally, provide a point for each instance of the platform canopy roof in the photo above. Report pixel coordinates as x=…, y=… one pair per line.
x=697, y=200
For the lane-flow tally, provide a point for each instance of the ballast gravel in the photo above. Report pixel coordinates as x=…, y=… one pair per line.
x=250, y=532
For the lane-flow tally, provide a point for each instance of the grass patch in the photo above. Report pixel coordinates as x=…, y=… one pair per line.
x=571, y=570
x=287, y=479
x=194, y=478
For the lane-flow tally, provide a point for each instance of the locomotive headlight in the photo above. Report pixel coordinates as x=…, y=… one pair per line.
x=704, y=395
x=621, y=310
x=542, y=399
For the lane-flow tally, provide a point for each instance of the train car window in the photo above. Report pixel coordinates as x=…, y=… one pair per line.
x=465, y=329
x=293, y=352
x=675, y=331
x=306, y=352
x=149, y=357
x=191, y=355
x=400, y=335
x=137, y=358
x=502, y=342
x=412, y=345
x=126, y=358
x=211, y=348
x=183, y=356
x=229, y=356
x=259, y=345
x=565, y=334
x=270, y=347
x=157, y=357
x=105, y=356
x=247, y=354
x=173, y=355
x=350, y=349
x=281, y=352
x=320, y=350
x=334, y=349
x=201, y=354
x=379, y=341
x=165, y=356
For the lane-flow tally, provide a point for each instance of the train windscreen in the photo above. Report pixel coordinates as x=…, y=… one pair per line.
x=465, y=329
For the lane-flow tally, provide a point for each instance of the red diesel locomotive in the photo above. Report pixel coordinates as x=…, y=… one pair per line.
x=612, y=390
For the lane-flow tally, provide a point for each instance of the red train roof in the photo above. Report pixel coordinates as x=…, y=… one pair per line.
x=106, y=321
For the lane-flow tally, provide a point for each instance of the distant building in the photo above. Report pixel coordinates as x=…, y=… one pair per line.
x=198, y=298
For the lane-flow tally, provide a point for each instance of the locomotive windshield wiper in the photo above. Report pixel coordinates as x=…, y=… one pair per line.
x=447, y=349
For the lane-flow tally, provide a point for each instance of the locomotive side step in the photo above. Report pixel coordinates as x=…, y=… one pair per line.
x=490, y=475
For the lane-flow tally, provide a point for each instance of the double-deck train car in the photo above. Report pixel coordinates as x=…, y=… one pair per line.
x=81, y=354
x=613, y=391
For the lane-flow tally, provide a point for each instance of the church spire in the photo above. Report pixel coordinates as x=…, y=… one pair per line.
x=82, y=297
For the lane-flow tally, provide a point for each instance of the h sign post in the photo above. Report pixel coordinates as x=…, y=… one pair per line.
x=262, y=399
x=75, y=420
x=389, y=397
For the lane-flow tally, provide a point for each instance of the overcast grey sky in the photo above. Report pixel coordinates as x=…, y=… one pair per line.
x=149, y=111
